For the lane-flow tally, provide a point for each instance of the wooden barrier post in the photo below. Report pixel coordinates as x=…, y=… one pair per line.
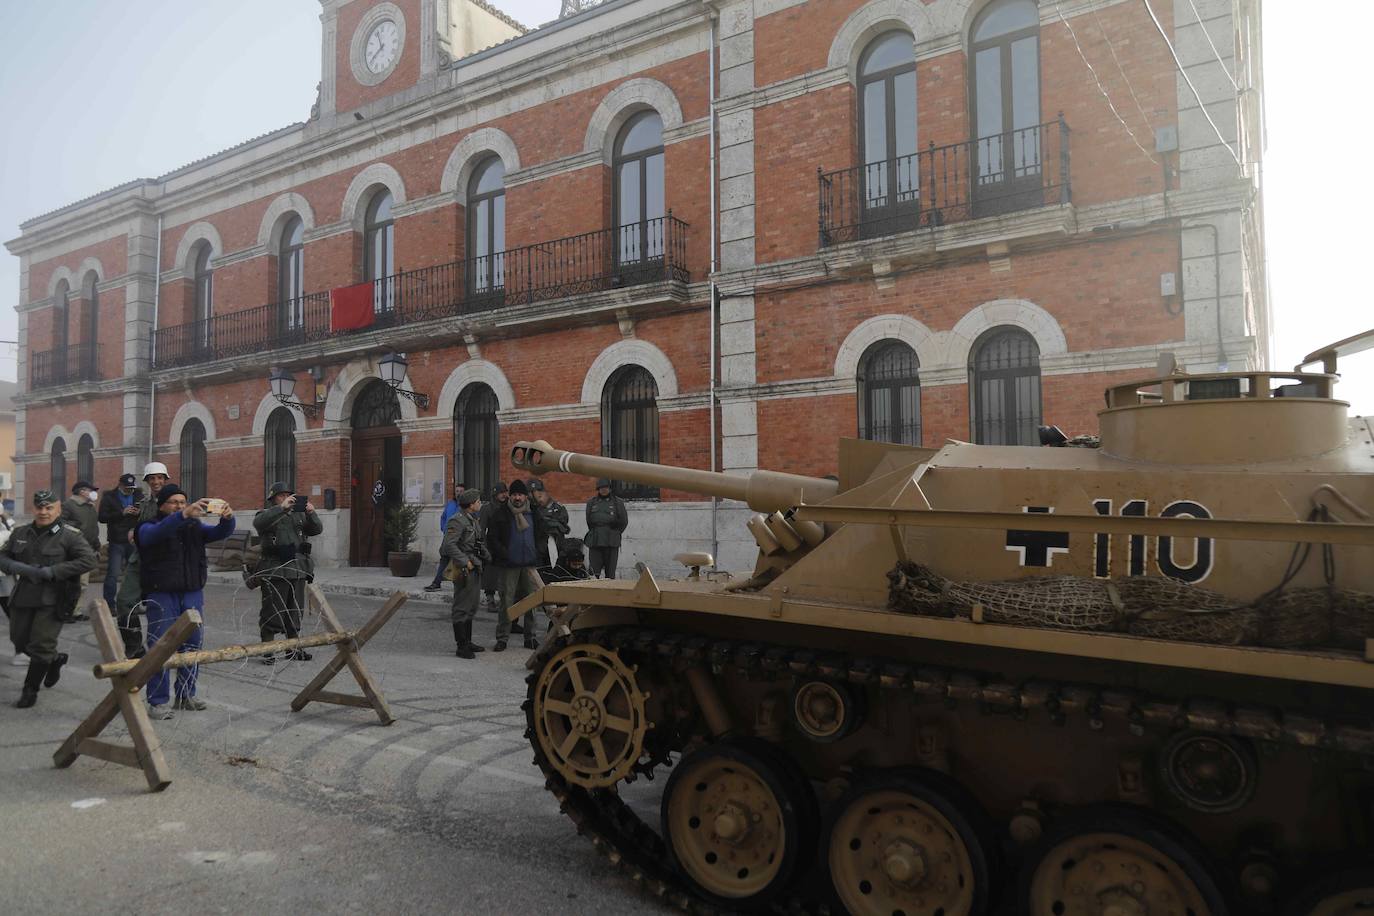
x=146, y=753
x=346, y=655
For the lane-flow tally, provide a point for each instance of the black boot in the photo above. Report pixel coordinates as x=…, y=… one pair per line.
x=132, y=633
x=460, y=640
x=467, y=631
x=28, y=695
x=55, y=670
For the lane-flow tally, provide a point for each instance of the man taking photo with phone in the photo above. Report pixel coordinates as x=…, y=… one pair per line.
x=285, y=526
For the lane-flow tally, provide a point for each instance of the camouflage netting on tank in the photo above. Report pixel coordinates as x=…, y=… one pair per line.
x=1152, y=606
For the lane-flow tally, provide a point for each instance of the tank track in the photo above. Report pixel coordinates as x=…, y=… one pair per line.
x=636, y=849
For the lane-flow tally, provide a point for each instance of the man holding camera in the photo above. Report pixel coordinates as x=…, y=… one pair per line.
x=285, y=526
x=466, y=551
x=48, y=560
x=119, y=510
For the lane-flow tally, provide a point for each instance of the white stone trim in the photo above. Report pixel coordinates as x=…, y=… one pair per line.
x=356, y=199
x=269, y=231
x=629, y=353
x=57, y=431
x=470, y=150
x=871, y=20
x=188, y=411
x=1021, y=313
x=268, y=404
x=624, y=101
x=908, y=330
x=338, y=405
x=357, y=45
x=468, y=373
x=194, y=235
x=86, y=428
x=88, y=266
x=62, y=273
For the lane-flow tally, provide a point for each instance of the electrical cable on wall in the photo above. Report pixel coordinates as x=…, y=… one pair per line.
x=1100, y=88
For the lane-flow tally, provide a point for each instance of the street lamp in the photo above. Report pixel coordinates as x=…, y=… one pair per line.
x=283, y=386
x=392, y=368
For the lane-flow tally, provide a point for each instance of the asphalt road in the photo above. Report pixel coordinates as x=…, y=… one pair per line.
x=324, y=810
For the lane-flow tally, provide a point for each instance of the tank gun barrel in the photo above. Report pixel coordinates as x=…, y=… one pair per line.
x=763, y=491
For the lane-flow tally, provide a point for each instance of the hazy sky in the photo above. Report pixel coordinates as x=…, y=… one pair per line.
x=94, y=93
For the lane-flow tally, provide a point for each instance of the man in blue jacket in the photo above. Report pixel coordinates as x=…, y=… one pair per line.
x=173, y=569
x=450, y=510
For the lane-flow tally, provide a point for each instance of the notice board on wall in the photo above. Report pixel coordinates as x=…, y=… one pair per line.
x=424, y=479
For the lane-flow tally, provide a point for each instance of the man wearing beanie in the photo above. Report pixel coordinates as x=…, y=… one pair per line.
x=48, y=559
x=467, y=554
x=511, y=533
x=499, y=495
x=174, y=570
x=606, y=521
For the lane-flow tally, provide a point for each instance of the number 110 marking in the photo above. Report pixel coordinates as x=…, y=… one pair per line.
x=1137, y=547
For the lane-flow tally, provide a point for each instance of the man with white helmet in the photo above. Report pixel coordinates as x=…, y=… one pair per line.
x=130, y=588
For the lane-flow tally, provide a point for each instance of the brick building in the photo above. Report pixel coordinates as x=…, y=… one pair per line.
x=907, y=219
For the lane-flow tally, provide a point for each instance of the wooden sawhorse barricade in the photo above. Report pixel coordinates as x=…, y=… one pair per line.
x=128, y=677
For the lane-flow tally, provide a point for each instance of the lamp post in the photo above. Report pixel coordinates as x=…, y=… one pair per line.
x=283, y=386
x=392, y=369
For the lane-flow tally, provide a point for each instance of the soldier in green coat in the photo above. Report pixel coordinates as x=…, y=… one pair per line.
x=466, y=550
x=607, y=519
x=286, y=526
x=130, y=595
x=48, y=559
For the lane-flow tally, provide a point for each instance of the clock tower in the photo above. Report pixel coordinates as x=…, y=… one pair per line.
x=376, y=48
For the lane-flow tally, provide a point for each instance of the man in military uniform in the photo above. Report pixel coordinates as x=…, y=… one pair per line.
x=286, y=565
x=555, y=520
x=79, y=512
x=465, y=548
x=48, y=559
x=499, y=495
x=130, y=594
x=607, y=519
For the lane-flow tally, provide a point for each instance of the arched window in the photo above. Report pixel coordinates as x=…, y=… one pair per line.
x=887, y=128
x=291, y=275
x=1005, y=55
x=639, y=200
x=204, y=307
x=379, y=251
x=890, y=394
x=376, y=405
x=85, y=458
x=61, y=317
x=1005, y=376
x=193, y=461
x=279, y=449
x=629, y=424
x=90, y=326
x=477, y=438
x=57, y=468
x=486, y=243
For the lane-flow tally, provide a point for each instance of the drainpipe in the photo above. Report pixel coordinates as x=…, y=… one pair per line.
x=1222, y=361
x=715, y=295
x=152, y=343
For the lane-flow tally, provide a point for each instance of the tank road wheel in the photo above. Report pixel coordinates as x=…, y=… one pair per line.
x=1118, y=861
x=589, y=716
x=825, y=712
x=737, y=823
x=1213, y=774
x=909, y=842
x=1349, y=892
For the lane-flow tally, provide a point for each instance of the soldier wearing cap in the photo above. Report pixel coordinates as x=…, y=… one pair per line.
x=48, y=559
x=286, y=565
x=499, y=495
x=555, y=517
x=119, y=508
x=78, y=511
x=129, y=598
x=607, y=519
x=467, y=554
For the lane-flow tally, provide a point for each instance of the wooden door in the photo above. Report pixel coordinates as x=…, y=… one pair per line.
x=377, y=488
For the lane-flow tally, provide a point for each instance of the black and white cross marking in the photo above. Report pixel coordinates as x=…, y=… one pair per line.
x=1037, y=548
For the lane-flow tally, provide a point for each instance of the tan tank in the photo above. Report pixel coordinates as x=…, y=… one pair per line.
x=1129, y=678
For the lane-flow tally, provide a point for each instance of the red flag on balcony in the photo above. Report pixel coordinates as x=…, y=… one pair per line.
x=350, y=307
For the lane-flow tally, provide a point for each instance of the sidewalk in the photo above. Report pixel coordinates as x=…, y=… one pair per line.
x=370, y=581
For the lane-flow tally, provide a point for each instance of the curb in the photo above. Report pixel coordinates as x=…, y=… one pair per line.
x=233, y=577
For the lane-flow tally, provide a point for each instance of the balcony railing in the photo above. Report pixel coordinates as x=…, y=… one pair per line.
x=65, y=366
x=651, y=251
x=994, y=175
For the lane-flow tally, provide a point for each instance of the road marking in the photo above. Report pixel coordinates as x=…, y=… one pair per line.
x=87, y=803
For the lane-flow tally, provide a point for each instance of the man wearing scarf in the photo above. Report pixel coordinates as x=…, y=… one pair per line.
x=512, y=532
x=48, y=559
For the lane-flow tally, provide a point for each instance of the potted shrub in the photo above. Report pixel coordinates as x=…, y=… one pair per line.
x=402, y=522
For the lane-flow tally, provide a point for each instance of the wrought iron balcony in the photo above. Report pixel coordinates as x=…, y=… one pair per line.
x=648, y=252
x=991, y=176
x=65, y=366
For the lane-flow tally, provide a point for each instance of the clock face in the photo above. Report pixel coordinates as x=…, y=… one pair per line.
x=383, y=44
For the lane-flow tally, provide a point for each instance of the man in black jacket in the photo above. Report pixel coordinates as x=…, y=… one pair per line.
x=119, y=509
x=512, y=531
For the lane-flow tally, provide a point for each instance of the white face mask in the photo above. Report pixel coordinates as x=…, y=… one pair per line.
x=93, y=496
